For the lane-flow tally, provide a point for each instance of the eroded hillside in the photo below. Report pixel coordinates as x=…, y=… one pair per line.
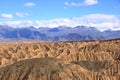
x=90, y=60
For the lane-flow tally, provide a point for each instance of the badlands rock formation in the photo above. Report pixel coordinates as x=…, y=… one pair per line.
x=89, y=60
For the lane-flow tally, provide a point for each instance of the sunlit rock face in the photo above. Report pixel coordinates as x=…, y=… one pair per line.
x=90, y=60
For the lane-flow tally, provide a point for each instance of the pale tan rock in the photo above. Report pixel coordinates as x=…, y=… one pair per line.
x=95, y=60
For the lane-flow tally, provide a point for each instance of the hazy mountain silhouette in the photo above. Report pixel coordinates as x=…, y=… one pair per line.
x=61, y=33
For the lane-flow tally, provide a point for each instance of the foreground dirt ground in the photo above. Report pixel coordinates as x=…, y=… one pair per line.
x=89, y=60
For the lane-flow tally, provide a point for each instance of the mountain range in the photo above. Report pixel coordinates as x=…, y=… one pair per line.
x=60, y=33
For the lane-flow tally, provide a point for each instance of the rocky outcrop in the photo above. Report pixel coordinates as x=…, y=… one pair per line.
x=90, y=60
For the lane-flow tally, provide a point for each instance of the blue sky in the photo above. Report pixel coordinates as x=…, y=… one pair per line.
x=102, y=14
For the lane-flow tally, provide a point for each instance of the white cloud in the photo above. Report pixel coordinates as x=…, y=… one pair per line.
x=90, y=2
x=99, y=21
x=102, y=21
x=84, y=3
x=19, y=14
x=6, y=16
x=67, y=3
x=30, y=4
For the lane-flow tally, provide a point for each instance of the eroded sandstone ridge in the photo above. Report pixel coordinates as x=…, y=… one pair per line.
x=90, y=60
